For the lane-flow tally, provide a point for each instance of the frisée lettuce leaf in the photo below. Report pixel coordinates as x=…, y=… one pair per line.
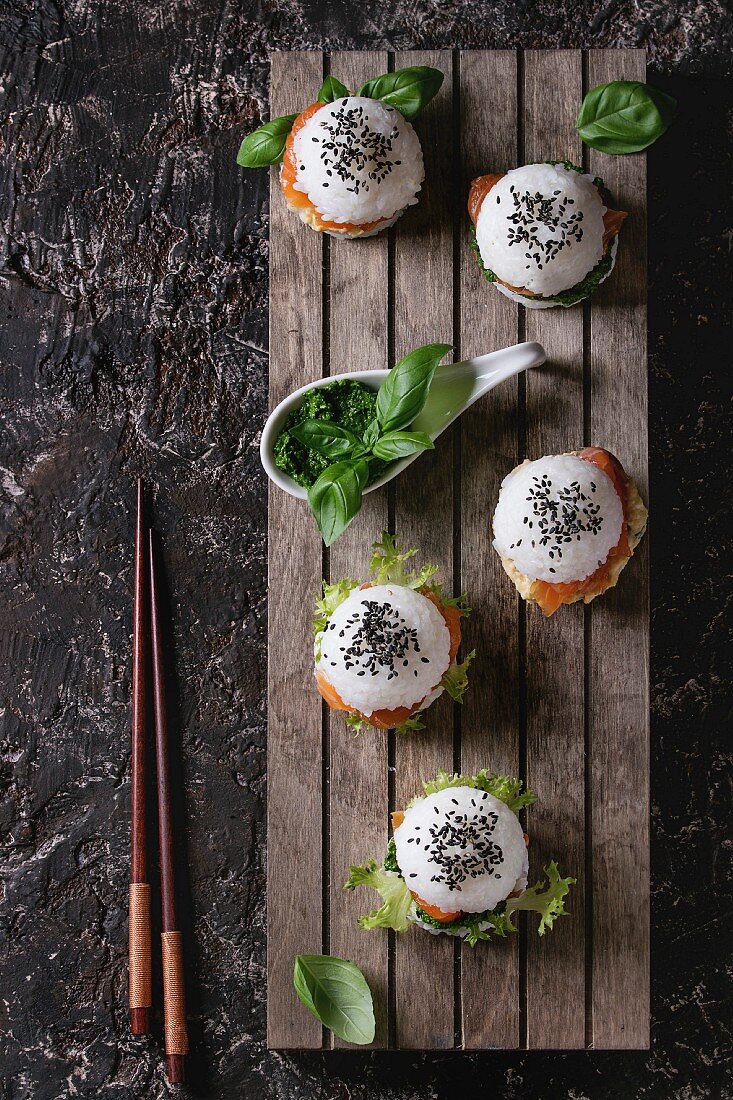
x=544, y=898
x=355, y=722
x=503, y=787
x=400, y=908
x=455, y=680
x=411, y=724
x=397, y=899
x=459, y=602
x=333, y=595
x=388, y=565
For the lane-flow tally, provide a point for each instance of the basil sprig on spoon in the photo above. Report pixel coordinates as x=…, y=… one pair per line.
x=335, y=498
x=409, y=90
x=624, y=116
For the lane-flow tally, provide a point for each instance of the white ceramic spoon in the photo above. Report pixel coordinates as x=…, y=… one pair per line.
x=455, y=387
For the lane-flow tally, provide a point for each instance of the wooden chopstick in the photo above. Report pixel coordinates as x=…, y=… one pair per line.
x=174, y=999
x=140, y=995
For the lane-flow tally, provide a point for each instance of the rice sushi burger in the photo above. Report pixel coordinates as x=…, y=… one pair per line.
x=457, y=863
x=544, y=234
x=351, y=164
x=351, y=167
x=566, y=525
x=385, y=650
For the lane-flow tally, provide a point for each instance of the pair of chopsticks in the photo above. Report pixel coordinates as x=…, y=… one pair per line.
x=147, y=624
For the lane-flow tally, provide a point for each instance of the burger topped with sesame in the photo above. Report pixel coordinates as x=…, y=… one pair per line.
x=544, y=234
x=565, y=526
x=457, y=862
x=351, y=167
x=350, y=164
x=388, y=648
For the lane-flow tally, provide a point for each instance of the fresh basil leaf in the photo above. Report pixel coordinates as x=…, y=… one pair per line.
x=335, y=498
x=402, y=444
x=266, y=145
x=409, y=90
x=624, y=116
x=324, y=437
x=332, y=89
x=405, y=389
x=337, y=994
x=372, y=433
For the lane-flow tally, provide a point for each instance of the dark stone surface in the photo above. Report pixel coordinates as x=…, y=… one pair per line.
x=133, y=289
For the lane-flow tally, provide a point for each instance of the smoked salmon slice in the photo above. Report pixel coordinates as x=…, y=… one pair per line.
x=433, y=910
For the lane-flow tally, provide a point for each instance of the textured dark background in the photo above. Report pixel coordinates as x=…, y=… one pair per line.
x=133, y=291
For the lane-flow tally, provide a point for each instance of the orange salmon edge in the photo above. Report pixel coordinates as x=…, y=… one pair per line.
x=434, y=911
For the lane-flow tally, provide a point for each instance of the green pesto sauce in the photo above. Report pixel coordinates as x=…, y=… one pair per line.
x=349, y=404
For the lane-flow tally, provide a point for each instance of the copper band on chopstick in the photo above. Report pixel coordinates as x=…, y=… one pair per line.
x=141, y=993
x=176, y=1033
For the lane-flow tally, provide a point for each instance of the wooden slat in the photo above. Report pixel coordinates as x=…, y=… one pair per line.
x=555, y=647
x=619, y=679
x=294, y=743
x=490, y=715
x=358, y=327
x=423, y=313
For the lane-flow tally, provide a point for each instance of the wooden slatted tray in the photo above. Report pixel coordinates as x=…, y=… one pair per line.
x=564, y=702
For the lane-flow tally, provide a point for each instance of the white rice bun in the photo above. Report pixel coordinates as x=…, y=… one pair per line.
x=541, y=228
x=558, y=518
x=461, y=849
x=359, y=161
x=363, y=682
x=637, y=521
